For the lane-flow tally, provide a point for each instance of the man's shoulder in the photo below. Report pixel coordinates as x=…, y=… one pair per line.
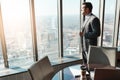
x=94, y=17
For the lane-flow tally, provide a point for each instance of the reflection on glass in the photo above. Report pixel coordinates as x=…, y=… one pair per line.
x=68, y=73
x=109, y=22
x=47, y=28
x=71, y=26
x=95, y=4
x=17, y=28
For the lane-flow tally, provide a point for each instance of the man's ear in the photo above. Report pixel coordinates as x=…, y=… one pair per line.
x=88, y=10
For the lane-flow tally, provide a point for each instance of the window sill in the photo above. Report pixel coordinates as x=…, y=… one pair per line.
x=68, y=60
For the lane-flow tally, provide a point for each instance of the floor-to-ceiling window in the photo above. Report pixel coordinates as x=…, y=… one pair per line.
x=71, y=26
x=17, y=28
x=109, y=19
x=16, y=20
x=47, y=28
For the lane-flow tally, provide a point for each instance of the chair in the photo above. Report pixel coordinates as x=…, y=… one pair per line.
x=107, y=74
x=41, y=69
x=102, y=55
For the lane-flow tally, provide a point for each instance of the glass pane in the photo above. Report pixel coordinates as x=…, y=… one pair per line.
x=1, y=58
x=47, y=28
x=109, y=22
x=71, y=26
x=17, y=28
x=69, y=73
x=95, y=4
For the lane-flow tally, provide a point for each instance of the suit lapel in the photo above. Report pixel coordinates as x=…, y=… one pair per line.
x=85, y=23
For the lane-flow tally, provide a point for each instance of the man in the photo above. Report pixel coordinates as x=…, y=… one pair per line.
x=90, y=29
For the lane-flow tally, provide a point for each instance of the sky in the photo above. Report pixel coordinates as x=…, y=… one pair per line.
x=45, y=7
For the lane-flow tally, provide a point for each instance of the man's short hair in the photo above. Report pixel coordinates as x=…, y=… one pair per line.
x=88, y=5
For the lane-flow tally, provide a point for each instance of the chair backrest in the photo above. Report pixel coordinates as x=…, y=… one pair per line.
x=40, y=69
x=102, y=55
x=107, y=74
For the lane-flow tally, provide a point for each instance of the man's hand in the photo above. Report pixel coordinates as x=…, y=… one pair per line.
x=81, y=33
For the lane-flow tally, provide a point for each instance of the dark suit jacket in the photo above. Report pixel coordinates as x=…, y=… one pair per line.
x=91, y=31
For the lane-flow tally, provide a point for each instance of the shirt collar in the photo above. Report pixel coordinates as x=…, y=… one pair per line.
x=88, y=15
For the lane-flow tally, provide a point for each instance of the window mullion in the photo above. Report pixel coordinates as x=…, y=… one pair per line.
x=33, y=26
x=116, y=30
x=3, y=43
x=60, y=27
